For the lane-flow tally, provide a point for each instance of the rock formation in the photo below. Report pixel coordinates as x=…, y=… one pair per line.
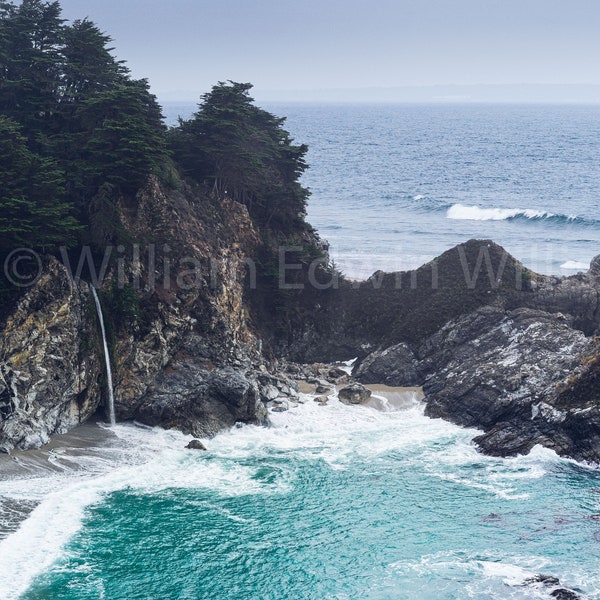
x=50, y=366
x=196, y=347
x=521, y=364
x=188, y=360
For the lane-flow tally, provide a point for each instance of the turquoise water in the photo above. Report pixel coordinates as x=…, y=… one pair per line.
x=331, y=502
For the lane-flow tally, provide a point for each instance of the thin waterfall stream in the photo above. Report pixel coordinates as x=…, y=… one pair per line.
x=111, y=397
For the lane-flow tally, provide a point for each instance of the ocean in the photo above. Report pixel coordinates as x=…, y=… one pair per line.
x=395, y=185
x=332, y=502
x=344, y=502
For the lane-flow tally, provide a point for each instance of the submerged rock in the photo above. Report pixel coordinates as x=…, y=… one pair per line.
x=196, y=445
x=547, y=581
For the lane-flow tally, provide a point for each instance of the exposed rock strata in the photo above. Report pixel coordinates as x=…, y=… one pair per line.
x=49, y=361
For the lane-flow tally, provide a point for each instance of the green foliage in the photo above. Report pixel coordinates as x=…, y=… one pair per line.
x=31, y=56
x=243, y=152
x=79, y=122
x=88, y=64
x=34, y=212
x=125, y=305
x=122, y=136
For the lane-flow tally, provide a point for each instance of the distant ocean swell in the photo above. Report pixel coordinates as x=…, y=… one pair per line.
x=463, y=212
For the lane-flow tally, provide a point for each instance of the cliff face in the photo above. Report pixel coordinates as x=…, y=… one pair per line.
x=494, y=345
x=49, y=361
x=185, y=357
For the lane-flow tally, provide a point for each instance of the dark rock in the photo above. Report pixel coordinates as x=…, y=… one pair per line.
x=200, y=402
x=395, y=366
x=336, y=373
x=323, y=389
x=500, y=372
x=545, y=580
x=595, y=266
x=354, y=394
x=495, y=346
x=564, y=594
x=322, y=400
x=196, y=445
x=548, y=581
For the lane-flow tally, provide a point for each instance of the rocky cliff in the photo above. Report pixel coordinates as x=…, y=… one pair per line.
x=182, y=351
x=50, y=370
x=516, y=357
x=194, y=344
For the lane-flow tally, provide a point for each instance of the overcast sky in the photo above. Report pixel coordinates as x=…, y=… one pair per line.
x=185, y=46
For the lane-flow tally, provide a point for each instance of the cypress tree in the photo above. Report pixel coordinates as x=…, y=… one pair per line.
x=244, y=152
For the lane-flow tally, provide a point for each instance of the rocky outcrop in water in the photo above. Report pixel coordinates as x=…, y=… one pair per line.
x=522, y=366
x=354, y=393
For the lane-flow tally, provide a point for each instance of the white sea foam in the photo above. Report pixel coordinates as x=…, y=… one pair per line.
x=157, y=460
x=491, y=576
x=575, y=265
x=162, y=464
x=476, y=213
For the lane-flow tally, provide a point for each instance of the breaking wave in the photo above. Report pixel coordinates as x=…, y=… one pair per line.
x=476, y=213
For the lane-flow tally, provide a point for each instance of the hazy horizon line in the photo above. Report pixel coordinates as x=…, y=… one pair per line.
x=563, y=93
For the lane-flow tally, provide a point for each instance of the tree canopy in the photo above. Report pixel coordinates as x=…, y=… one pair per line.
x=32, y=206
x=76, y=114
x=244, y=152
x=78, y=132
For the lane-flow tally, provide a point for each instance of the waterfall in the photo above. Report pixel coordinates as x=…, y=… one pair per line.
x=111, y=397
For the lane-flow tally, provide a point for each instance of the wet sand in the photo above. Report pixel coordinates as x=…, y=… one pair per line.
x=43, y=460
x=381, y=389
x=73, y=452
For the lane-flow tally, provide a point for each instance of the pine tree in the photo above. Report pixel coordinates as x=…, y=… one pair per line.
x=31, y=50
x=87, y=125
x=122, y=137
